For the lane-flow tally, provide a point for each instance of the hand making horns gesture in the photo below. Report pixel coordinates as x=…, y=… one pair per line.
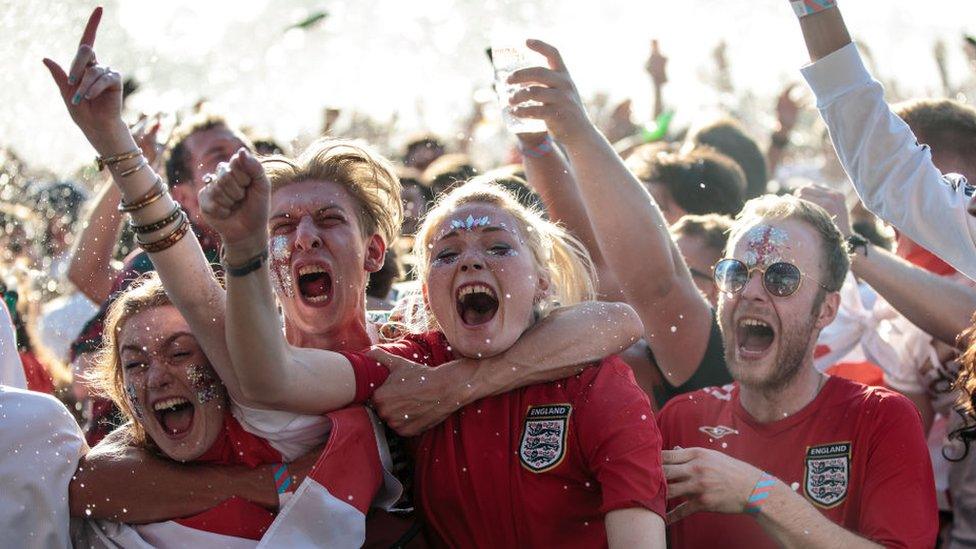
x=91, y=92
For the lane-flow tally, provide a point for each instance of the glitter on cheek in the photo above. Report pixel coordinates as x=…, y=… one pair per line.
x=281, y=266
x=204, y=381
x=130, y=391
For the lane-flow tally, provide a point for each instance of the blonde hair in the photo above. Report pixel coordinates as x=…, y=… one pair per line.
x=106, y=376
x=369, y=177
x=833, y=247
x=557, y=253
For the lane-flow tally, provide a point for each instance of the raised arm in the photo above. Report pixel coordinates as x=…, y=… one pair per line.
x=549, y=173
x=92, y=94
x=893, y=174
x=629, y=227
x=420, y=397
x=943, y=310
x=128, y=484
x=271, y=372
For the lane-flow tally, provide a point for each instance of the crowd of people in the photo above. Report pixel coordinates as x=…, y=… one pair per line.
x=631, y=336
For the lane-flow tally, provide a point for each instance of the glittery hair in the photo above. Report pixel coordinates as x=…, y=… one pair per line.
x=832, y=245
x=555, y=251
x=369, y=177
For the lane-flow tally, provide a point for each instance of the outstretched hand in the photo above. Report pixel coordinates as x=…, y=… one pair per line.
x=236, y=203
x=91, y=92
x=561, y=107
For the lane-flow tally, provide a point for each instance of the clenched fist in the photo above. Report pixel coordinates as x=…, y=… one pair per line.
x=236, y=203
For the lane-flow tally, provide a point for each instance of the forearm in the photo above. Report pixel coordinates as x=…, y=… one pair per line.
x=943, y=309
x=131, y=485
x=90, y=266
x=824, y=32
x=793, y=522
x=658, y=100
x=559, y=346
x=548, y=172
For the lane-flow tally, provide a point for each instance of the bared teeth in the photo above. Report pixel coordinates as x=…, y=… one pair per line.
x=310, y=269
x=169, y=403
x=476, y=289
x=754, y=322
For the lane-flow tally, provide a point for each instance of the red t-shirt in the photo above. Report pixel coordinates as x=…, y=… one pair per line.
x=857, y=453
x=539, y=466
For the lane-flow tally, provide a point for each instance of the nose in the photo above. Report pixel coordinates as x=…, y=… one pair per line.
x=307, y=235
x=159, y=375
x=472, y=262
x=754, y=289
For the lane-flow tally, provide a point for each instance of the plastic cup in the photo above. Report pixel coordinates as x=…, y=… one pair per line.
x=508, y=58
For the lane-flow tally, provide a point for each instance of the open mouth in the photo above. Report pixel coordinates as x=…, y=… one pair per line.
x=175, y=415
x=314, y=284
x=476, y=304
x=754, y=337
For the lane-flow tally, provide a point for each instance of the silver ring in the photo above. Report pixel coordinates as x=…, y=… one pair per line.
x=222, y=169
x=209, y=178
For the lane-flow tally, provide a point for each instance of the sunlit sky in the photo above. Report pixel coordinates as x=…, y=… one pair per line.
x=424, y=59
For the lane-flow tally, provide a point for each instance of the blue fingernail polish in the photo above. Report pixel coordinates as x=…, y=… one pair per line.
x=76, y=99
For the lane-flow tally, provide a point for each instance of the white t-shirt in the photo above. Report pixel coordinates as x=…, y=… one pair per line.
x=40, y=444
x=893, y=174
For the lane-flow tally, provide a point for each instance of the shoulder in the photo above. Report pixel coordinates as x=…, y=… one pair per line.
x=430, y=348
x=879, y=406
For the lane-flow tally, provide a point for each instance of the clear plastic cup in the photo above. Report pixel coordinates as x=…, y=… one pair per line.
x=507, y=58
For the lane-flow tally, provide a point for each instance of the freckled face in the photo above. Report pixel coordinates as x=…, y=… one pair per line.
x=169, y=383
x=482, y=282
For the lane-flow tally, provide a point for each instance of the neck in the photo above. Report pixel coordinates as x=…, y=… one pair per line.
x=772, y=404
x=350, y=335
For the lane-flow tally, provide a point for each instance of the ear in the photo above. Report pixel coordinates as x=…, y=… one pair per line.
x=828, y=310
x=375, y=254
x=543, y=286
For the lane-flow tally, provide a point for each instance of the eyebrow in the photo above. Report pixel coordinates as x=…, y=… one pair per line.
x=490, y=229
x=166, y=343
x=286, y=214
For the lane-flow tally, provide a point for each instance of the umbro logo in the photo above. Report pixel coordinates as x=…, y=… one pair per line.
x=718, y=431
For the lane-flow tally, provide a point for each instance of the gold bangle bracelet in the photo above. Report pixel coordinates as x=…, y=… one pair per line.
x=142, y=164
x=115, y=159
x=155, y=193
x=167, y=241
x=151, y=227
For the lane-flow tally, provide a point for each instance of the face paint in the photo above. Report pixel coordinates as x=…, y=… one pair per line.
x=203, y=380
x=765, y=245
x=468, y=224
x=281, y=266
x=130, y=391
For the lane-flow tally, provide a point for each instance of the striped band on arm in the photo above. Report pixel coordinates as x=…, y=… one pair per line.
x=803, y=8
x=760, y=493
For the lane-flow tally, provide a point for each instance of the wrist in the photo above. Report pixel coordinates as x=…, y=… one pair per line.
x=241, y=251
x=113, y=141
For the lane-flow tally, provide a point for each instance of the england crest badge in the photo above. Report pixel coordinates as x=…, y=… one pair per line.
x=827, y=473
x=543, y=444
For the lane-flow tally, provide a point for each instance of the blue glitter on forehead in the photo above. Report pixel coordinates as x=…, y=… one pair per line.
x=470, y=223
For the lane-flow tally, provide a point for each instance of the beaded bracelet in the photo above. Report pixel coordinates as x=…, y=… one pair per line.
x=154, y=194
x=167, y=241
x=150, y=227
x=759, y=493
x=282, y=479
x=115, y=159
x=142, y=164
x=803, y=8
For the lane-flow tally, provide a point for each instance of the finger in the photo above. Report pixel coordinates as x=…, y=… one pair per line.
x=654, y=46
x=675, y=457
x=59, y=76
x=549, y=52
x=91, y=75
x=683, y=489
x=535, y=93
x=84, y=59
x=677, y=472
x=221, y=198
x=682, y=511
x=108, y=81
x=537, y=75
x=88, y=37
x=540, y=112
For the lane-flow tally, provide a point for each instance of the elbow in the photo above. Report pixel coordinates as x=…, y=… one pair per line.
x=626, y=318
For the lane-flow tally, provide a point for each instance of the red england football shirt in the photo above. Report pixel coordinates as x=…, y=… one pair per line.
x=857, y=453
x=539, y=466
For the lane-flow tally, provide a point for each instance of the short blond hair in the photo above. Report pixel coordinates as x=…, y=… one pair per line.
x=833, y=247
x=554, y=250
x=366, y=174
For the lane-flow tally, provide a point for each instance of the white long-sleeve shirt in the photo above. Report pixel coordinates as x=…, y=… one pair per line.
x=893, y=174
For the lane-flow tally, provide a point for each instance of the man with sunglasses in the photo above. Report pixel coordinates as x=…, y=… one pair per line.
x=785, y=455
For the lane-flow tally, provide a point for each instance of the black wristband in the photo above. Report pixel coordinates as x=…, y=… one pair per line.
x=247, y=268
x=856, y=241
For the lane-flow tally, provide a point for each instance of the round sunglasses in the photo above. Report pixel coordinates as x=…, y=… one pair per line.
x=780, y=279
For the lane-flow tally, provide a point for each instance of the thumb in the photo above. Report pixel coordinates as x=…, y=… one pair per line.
x=59, y=76
x=389, y=360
